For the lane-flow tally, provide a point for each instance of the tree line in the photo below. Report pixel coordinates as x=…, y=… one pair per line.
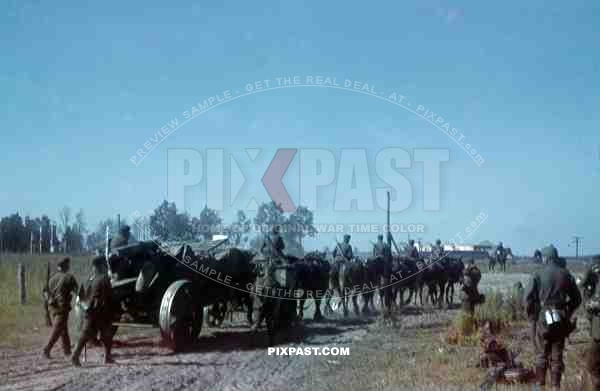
x=166, y=223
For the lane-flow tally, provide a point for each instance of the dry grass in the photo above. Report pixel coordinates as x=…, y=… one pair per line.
x=420, y=357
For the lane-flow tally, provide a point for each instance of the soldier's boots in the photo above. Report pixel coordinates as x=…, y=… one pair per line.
x=46, y=353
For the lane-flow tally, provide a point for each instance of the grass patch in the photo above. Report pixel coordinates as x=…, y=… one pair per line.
x=19, y=324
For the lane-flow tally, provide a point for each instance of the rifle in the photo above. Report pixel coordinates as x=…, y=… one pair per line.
x=46, y=297
x=339, y=247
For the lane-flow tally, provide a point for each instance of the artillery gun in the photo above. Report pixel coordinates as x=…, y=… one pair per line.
x=167, y=288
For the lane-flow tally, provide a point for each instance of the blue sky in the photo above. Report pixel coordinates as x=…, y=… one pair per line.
x=83, y=86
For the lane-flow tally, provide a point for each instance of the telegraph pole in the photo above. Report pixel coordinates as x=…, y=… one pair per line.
x=577, y=239
x=389, y=234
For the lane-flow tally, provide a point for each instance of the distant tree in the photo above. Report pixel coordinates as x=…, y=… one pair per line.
x=96, y=240
x=207, y=224
x=240, y=229
x=295, y=227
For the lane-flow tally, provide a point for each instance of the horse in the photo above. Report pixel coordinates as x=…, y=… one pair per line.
x=313, y=280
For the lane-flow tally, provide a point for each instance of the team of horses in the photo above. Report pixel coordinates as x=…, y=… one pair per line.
x=394, y=281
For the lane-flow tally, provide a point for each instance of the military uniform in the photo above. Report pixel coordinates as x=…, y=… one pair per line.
x=437, y=252
x=412, y=251
x=98, y=315
x=60, y=289
x=344, y=250
x=265, y=287
x=471, y=296
x=591, y=291
x=381, y=249
x=122, y=238
x=552, y=293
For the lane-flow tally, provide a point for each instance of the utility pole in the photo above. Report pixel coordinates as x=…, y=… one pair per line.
x=118, y=221
x=389, y=235
x=577, y=239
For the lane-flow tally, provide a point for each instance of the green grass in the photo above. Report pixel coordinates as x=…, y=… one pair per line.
x=19, y=322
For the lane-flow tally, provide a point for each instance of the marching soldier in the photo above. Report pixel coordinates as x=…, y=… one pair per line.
x=591, y=292
x=122, y=238
x=411, y=250
x=343, y=250
x=471, y=296
x=551, y=299
x=60, y=289
x=98, y=314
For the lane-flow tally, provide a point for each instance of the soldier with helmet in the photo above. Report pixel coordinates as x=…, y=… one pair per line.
x=343, y=250
x=381, y=249
x=551, y=299
x=411, y=250
x=591, y=293
x=437, y=252
x=122, y=238
x=276, y=244
x=471, y=295
x=61, y=287
x=97, y=296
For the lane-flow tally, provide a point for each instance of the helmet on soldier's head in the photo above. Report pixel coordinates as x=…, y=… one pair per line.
x=379, y=237
x=499, y=244
x=411, y=242
x=276, y=229
x=64, y=263
x=438, y=242
x=125, y=229
x=347, y=238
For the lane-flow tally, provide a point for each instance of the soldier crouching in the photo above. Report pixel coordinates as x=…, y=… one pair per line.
x=471, y=296
x=98, y=312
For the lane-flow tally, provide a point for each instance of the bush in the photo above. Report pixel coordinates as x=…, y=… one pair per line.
x=497, y=312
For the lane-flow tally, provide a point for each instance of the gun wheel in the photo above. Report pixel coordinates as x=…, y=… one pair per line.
x=180, y=318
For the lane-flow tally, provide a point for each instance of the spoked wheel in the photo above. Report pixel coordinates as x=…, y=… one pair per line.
x=180, y=319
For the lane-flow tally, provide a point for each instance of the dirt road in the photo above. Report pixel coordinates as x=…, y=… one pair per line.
x=231, y=358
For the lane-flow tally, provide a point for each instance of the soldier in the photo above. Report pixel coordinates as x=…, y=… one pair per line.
x=411, y=250
x=61, y=287
x=344, y=250
x=537, y=256
x=380, y=248
x=275, y=244
x=437, y=252
x=591, y=293
x=122, y=238
x=551, y=299
x=98, y=314
x=471, y=296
